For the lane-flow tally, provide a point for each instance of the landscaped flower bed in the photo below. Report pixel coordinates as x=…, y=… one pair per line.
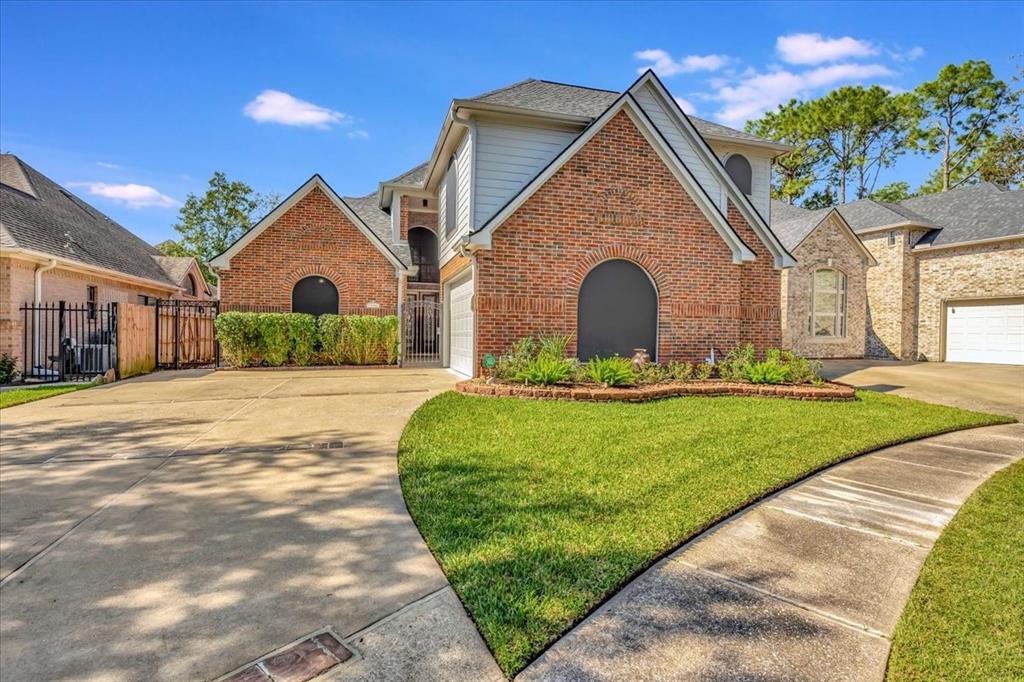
x=538, y=368
x=298, y=339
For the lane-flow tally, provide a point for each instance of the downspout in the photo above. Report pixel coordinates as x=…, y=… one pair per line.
x=37, y=296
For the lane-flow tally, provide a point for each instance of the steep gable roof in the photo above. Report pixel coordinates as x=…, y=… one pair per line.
x=39, y=215
x=577, y=100
x=794, y=231
x=223, y=260
x=626, y=103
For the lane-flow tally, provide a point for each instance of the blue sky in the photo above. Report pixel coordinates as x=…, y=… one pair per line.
x=134, y=106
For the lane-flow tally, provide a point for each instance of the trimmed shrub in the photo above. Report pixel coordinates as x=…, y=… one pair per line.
x=515, y=361
x=303, y=336
x=239, y=338
x=703, y=371
x=7, y=368
x=274, y=341
x=651, y=373
x=545, y=370
x=734, y=366
x=766, y=372
x=679, y=371
x=613, y=371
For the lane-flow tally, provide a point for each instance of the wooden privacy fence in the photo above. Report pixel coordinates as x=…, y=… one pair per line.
x=136, y=329
x=185, y=334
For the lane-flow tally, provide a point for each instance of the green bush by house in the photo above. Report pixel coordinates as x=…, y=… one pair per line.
x=275, y=339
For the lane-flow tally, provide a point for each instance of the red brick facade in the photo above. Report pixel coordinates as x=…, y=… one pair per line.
x=411, y=217
x=616, y=199
x=312, y=238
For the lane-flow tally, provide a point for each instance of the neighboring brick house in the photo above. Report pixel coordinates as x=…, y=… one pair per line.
x=545, y=207
x=824, y=296
x=55, y=247
x=949, y=284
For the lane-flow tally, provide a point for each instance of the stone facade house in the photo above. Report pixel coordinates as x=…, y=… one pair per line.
x=544, y=207
x=55, y=247
x=824, y=296
x=949, y=279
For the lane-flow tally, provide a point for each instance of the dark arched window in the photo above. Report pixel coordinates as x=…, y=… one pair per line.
x=191, y=285
x=738, y=169
x=423, y=251
x=617, y=311
x=451, y=198
x=315, y=295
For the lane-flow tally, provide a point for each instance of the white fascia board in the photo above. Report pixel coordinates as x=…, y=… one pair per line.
x=783, y=259
x=72, y=264
x=223, y=261
x=482, y=238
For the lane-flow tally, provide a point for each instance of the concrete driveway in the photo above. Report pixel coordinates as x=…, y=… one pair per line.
x=181, y=525
x=998, y=389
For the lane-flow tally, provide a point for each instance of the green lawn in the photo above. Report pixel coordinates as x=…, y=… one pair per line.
x=19, y=396
x=538, y=510
x=965, y=619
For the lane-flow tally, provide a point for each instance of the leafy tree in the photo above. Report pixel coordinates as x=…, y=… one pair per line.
x=1002, y=160
x=822, y=198
x=893, y=192
x=210, y=223
x=964, y=107
x=844, y=138
x=169, y=247
x=795, y=171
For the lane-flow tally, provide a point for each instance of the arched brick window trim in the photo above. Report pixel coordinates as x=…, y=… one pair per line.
x=293, y=277
x=630, y=253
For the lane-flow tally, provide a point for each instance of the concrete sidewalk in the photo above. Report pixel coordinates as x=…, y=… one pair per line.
x=806, y=585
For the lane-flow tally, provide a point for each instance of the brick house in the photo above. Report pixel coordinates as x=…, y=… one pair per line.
x=55, y=247
x=824, y=296
x=948, y=284
x=544, y=207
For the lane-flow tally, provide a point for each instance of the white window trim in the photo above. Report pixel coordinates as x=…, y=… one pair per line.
x=840, y=312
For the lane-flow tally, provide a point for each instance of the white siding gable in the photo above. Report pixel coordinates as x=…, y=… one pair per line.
x=760, y=173
x=508, y=156
x=680, y=145
x=464, y=166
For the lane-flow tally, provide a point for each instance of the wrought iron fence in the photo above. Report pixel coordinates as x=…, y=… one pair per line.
x=68, y=342
x=421, y=328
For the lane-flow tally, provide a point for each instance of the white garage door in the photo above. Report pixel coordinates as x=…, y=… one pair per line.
x=979, y=332
x=460, y=328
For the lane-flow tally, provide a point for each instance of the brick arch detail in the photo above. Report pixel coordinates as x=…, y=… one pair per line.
x=619, y=252
x=422, y=227
x=293, y=277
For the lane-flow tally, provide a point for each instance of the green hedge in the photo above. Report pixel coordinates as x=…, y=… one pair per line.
x=275, y=339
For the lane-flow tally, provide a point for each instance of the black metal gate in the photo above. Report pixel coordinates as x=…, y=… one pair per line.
x=185, y=334
x=421, y=333
x=68, y=342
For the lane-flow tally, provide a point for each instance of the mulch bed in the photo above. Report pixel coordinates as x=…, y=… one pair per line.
x=640, y=394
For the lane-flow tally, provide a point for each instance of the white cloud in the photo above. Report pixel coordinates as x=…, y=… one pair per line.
x=813, y=48
x=686, y=105
x=108, y=166
x=908, y=55
x=754, y=94
x=358, y=135
x=664, y=65
x=131, y=195
x=274, y=106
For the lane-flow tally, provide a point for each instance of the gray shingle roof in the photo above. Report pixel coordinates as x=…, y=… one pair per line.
x=58, y=223
x=378, y=221
x=983, y=211
x=415, y=176
x=176, y=267
x=575, y=100
x=800, y=223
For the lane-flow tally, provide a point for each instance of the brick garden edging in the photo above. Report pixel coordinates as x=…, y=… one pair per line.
x=828, y=391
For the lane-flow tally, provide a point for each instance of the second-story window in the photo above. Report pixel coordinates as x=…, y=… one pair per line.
x=738, y=169
x=451, y=198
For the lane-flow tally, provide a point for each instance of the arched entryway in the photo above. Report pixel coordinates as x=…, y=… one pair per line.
x=617, y=311
x=315, y=295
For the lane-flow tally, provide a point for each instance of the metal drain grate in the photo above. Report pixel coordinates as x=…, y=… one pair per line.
x=299, y=662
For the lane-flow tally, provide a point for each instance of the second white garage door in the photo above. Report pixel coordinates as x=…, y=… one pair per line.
x=460, y=327
x=985, y=332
